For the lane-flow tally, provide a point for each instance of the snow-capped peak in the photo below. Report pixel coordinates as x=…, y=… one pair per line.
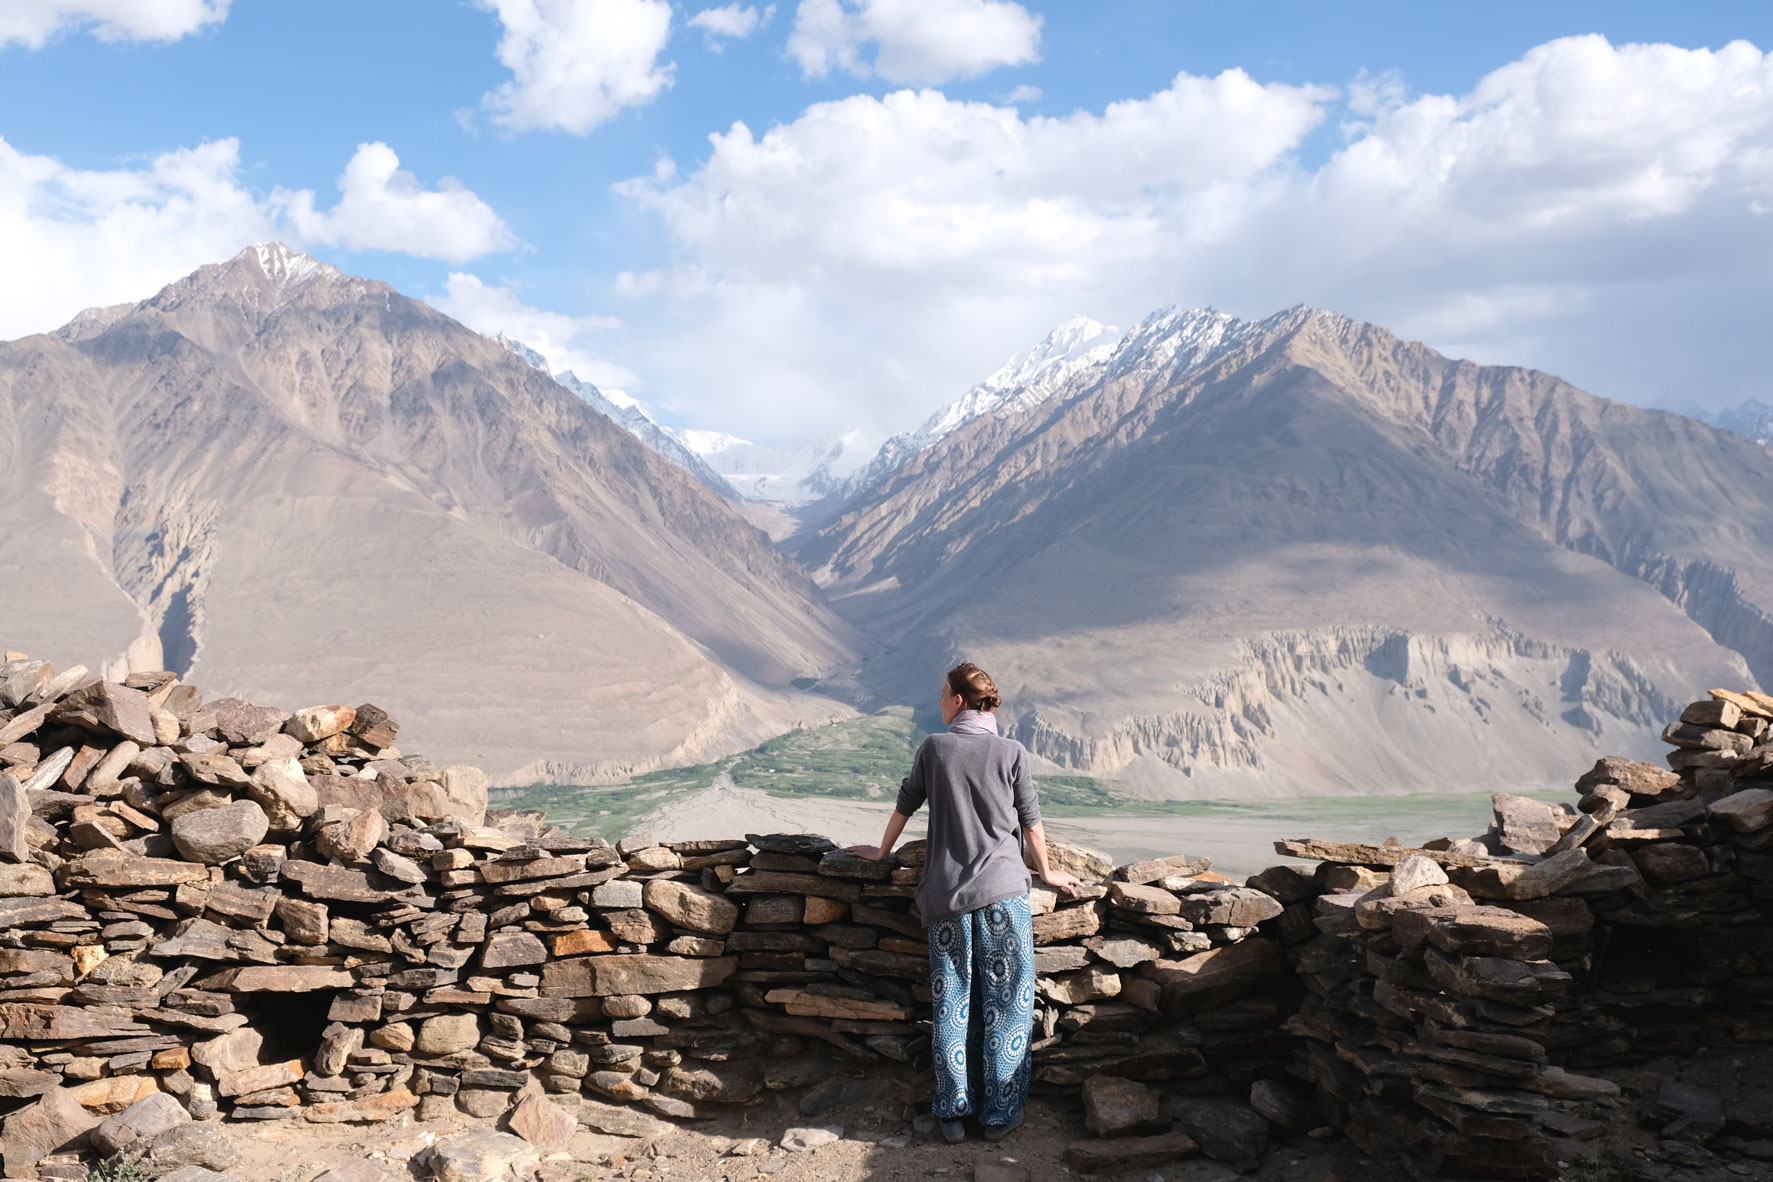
x=596, y=395
x=1752, y=420
x=284, y=266
x=1070, y=341
x=621, y=405
x=1182, y=338
x=1025, y=379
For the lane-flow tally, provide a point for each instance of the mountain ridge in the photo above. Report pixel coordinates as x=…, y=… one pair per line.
x=262, y=440
x=1321, y=476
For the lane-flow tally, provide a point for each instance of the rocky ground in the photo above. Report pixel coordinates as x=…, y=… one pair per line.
x=748, y=1145
x=1699, y=1118
x=1723, y=1097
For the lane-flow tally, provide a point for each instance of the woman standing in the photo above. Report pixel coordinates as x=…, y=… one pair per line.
x=974, y=902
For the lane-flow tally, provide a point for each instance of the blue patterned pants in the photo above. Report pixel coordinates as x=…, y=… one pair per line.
x=982, y=991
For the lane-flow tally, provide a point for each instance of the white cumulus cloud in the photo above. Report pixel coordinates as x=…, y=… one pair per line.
x=731, y=20
x=1597, y=210
x=32, y=23
x=76, y=238
x=563, y=340
x=575, y=63
x=383, y=207
x=1570, y=211
x=923, y=42
x=911, y=229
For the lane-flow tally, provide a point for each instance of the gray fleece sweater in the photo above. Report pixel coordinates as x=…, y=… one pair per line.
x=981, y=795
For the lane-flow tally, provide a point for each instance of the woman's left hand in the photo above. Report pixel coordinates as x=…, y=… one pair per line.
x=871, y=852
x=1060, y=880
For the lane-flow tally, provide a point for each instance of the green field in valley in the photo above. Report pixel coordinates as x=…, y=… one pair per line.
x=863, y=759
x=607, y=811
x=855, y=759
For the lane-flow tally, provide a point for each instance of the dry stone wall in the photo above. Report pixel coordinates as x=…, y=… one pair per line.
x=1458, y=992
x=258, y=915
x=222, y=911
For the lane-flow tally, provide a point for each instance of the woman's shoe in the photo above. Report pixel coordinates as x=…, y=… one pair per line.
x=999, y=1132
x=953, y=1132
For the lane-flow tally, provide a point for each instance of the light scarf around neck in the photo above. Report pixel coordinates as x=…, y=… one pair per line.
x=973, y=722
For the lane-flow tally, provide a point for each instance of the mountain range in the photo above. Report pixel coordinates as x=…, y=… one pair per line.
x=1237, y=558
x=1206, y=557
x=812, y=483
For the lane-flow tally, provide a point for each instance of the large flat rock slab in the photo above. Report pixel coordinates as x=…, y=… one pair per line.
x=635, y=973
x=1361, y=854
x=1194, y=983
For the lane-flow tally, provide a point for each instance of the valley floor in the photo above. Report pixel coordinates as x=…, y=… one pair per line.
x=1239, y=837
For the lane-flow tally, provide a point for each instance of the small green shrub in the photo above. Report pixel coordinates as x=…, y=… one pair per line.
x=122, y=1168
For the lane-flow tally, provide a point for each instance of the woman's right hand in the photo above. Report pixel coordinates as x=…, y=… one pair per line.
x=871, y=852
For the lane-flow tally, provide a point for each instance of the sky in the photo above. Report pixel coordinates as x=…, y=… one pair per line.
x=798, y=220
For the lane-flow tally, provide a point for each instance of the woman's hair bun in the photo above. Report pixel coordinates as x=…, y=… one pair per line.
x=974, y=686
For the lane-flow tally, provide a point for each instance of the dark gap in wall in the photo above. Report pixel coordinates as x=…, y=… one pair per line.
x=290, y=1023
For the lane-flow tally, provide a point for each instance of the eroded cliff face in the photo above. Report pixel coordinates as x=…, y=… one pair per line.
x=1714, y=597
x=1353, y=710
x=1303, y=556
x=1661, y=497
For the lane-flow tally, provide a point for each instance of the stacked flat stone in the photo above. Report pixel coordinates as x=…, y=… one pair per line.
x=144, y=835
x=1427, y=1012
x=269, y=915
x=1458, y=989
x=258, y=915
x=1160, y=972
x=1684, y=951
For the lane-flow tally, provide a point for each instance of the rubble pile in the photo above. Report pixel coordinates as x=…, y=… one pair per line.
x=1457, y=991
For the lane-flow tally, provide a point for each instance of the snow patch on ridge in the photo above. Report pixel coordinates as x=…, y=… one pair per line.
x=1077, y=346
x=284, y=266
x=1181, y=339
x=523, y=353
x=1022, y=381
